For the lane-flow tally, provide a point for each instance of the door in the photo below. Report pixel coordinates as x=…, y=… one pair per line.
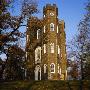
x=37, y=72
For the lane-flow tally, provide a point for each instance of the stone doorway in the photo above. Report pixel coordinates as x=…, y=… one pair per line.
x=37, y=72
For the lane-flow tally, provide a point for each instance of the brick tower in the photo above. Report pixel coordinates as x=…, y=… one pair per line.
x=46, y=49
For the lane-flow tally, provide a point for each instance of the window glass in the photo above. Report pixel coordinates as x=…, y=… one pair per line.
x=44, y=48
x=27, y=37
x=45, y=68
x=38, y=55
x=51, y=27
x=52, y=47
x=38, y=33
x=44, y=29
x=52, y=68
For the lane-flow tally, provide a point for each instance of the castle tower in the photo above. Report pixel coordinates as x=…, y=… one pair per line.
x=48, y=47
x=51, y=21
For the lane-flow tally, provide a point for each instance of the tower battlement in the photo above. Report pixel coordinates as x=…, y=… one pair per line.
x=50, y=7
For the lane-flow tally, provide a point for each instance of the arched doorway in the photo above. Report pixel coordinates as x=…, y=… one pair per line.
x=37, y=72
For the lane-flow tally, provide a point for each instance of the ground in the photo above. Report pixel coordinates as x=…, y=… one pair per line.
x=44, y=85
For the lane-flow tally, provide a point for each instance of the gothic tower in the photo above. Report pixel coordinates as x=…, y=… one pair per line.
x=48, y=61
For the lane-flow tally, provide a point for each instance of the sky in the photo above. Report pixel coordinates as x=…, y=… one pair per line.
x=71, y=11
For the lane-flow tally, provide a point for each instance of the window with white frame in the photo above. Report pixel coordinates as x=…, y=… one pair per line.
x=38, y=55
x=44, y=48
x=44, y=29
x=43, y=15
x=51, y=27
x=27, y=37
x=52, y=67
x=45, y=68
x=26, y=55
x=52, y=47
x=57, y=29
x=38, y=33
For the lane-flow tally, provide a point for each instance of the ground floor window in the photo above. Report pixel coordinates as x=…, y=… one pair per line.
x=52, y=66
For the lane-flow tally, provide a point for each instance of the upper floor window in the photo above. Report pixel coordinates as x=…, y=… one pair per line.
x=43, y=15
x=38, y=55
x=44, y=29
x=51, y=27
x=52, y=47
x=38, y=33
x=52, y=68
x=44, y=48
x=27, y=38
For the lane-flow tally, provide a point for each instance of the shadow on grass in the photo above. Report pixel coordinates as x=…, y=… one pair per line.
x=45, y=85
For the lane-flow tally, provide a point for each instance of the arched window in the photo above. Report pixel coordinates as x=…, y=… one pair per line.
x=52, y=68
x=37, y=72
x=45, y=68
x=51, y=27
x=38, y=55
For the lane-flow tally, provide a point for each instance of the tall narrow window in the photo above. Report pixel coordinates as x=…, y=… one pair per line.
x=51, y=27
x=57, y=29
x=26, y=55
x=58, y=50
x=38, y=55
x=38, y=33
x=44, y=29
x=60, y=71
x=43, y=15
x=58, y=68
x=52, y=47
x=45, y=68
x=52, y=68
x=44, y=48
x=27, y=37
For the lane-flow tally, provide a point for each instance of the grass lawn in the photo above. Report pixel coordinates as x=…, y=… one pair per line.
x=44, y=85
